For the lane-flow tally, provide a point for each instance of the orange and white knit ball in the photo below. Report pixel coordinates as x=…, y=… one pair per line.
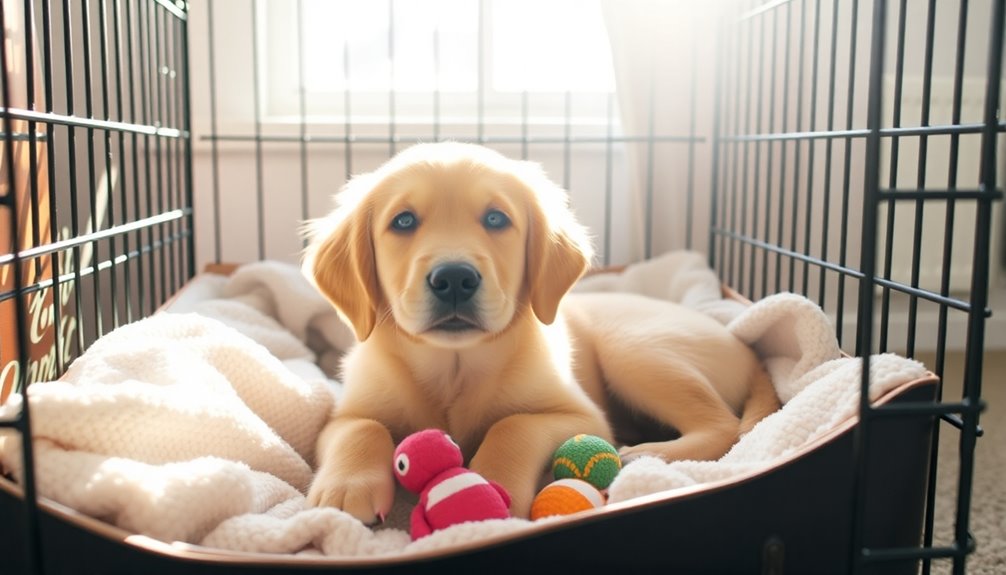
x=565, y=497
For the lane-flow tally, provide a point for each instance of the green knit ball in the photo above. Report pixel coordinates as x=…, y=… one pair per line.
x=589, y=458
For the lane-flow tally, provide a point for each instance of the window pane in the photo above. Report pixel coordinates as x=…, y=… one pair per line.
x=332, y=26
x=550, y=46
x=536, y=45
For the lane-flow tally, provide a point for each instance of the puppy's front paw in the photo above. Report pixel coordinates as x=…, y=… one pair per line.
x=521, y=488
x=629, y=454
x=368, y=496
x=706, y=445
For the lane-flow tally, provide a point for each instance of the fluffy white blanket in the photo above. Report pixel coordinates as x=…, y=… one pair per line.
x=196, y=426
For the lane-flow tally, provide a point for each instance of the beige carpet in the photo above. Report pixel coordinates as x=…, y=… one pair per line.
x=988, y=508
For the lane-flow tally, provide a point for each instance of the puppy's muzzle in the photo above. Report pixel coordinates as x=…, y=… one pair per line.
x=454, y=284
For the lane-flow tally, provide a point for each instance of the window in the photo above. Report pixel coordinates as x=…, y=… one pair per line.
x=452, y=61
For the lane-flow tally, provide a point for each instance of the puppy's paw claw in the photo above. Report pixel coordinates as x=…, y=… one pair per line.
x=367, y=497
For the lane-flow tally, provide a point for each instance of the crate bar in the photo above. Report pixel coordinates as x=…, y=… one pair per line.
x=157, y=112
x=719, y=179
x=943, y=313
x=90, y=123
x=941, y=130
x=33, y=543
x=924, y=120
x=169, y=155
x=214, y=141
x=29, y=54
x=183, y=186
x=980, y=279
x=927, y=81
x=853, y=273
x=57, y=308
x=92, y=192
x=798, y=146
x=183, y=115
x=146, y=113
x=927, y=554
x=140, y=271
x=723, y=182
x=567, y=161
x=392, y=93
x=348, y=137
x=71, y=144
x=936, y=194
x=32, y=135
x=730, y=207
x=756, y=192
x=437, y=90
x=717, y=144
x=524, y=123
x=109, y=189
x=537, y=140
x=868, y=256
x=926, y=408
x=809, y=210
x=957, y=422
x=690, y=176
x=948, y=238
x=94, y=237
x=178, y=190
x=166, y=65
x=608, y=175
x=771, y=148
x=22, y=136
x=650, y=141
x=828, y=149
x=127, y=276
x=843, y=243
x=745, y=189
x=945, y=279
x=481, y=71
x=101, y=266
x=731, y=219
x=256, y=103
x=782, y=150
x=954, y=152
x=302, y=110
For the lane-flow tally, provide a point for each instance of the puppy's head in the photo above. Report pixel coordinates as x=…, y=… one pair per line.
x=451, y=242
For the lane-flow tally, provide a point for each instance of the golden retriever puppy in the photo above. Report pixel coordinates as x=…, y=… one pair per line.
x=452, y=264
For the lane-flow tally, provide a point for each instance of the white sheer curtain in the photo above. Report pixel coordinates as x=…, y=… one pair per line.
x=664, y=56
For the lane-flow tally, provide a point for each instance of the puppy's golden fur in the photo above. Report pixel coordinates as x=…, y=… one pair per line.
x=452, y=263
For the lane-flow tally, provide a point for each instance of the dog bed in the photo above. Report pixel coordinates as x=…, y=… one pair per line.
x=195, y=427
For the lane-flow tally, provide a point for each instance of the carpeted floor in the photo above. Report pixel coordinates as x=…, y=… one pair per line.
x=988, y=508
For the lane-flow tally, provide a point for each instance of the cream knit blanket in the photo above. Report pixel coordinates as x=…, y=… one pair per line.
x=197, y=425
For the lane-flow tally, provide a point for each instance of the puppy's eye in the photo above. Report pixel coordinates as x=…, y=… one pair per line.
x=405, y=222
x=495, y=220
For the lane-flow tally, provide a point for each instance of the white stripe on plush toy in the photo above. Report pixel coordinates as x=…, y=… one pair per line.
x=452, y=485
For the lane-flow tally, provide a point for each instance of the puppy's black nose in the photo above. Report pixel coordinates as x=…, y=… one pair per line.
x=454, y=282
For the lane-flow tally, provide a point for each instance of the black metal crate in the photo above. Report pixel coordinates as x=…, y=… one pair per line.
x=775, y=136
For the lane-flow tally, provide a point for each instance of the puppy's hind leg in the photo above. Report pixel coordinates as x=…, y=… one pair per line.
x=677, y=396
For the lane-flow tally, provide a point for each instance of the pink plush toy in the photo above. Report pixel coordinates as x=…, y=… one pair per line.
x=430, y=463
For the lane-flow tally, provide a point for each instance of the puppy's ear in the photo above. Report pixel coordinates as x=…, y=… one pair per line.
x=339, y=258
x=558, y=247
